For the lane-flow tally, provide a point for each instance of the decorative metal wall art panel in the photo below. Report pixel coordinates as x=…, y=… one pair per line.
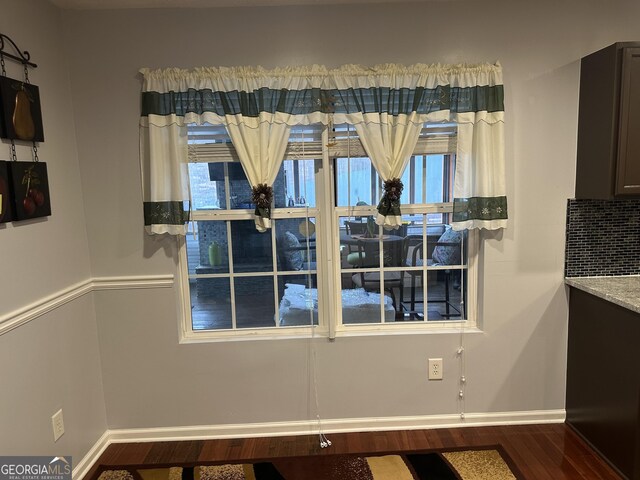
x=20, y=113
x=30, y=186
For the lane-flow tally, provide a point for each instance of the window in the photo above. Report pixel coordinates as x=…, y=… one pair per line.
x=324, y=261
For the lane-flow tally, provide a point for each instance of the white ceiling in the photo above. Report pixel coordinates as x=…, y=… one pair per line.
x=116, y=4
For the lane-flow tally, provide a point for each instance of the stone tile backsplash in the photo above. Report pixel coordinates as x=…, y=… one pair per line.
x=603, y=238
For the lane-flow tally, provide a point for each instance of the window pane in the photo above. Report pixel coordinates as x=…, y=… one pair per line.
x=445, y=246
x=298, y=299
x=444, y=293
x=254, y=302
x=251, y=249
x=357, y=182
x=413, y=224
x=206, y=190
x=298, y=185
x=193, y=248
x=359, y=242
x=407, y=191
x=363, y=306
x=445, y=287
x=208, y=253
x=210, y=303
x=417, y=180
x=393, y=248
x=361, y=239
x=435, y=179
x=296, y=244
x=239, y=187
x=354, y=182
x=295, y=185
x=414, y=178
x=393, y=289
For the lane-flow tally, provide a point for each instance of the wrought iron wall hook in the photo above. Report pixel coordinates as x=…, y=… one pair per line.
x=22, y=57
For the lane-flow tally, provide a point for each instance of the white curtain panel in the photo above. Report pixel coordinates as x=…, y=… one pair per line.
x=390, y=132
x=479, y=190
x=261, y=151
x=259, y=124
x=165, y=175
x=480, y=197
x=256, y=106
x=388, y=135
x=389, y=144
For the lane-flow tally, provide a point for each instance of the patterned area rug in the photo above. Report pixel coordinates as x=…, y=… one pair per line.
x=490, y=463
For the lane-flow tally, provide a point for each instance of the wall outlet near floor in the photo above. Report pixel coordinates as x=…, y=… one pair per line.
x=435, y=369
x=58, y=425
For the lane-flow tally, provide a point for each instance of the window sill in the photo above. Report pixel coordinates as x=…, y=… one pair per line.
x=212, y=336
x=442, y=328
x=409, y=329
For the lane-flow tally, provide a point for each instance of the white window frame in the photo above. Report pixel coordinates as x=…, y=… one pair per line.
x=438, y=140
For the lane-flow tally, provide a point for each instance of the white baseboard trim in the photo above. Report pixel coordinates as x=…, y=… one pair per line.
x=30, y=312
x=309, y=427
x=92, y=456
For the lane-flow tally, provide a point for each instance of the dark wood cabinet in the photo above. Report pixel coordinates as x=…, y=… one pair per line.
x=608, y=161
x=603, y=379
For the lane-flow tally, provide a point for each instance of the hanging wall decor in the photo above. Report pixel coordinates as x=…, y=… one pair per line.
x=30, y=189
x=6, y=199
x=27, y=183
x=21, y=114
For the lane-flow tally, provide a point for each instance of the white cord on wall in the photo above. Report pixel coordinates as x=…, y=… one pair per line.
x=461, y=352
x=313, y=360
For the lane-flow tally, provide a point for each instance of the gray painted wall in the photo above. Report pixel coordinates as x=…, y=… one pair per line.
x=517, y=364
x=62, y=358
x=47, y=364
x=52, y=362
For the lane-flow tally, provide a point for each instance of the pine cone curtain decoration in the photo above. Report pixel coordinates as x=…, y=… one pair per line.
x=390, y=201
x=261, y=196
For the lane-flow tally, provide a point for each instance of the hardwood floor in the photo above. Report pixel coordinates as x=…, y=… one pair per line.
x=541, y=452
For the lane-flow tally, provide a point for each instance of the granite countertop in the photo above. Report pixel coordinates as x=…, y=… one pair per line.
x=623, y=291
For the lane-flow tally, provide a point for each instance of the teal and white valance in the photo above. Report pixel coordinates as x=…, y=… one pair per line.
x=387, y=104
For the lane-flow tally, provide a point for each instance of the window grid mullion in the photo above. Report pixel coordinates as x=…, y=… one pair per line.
x=227, y=186
x=330, y=277
x=381, y=270
x=232, y=284
x=425, y=269
x=423, y=175
x=412, y=179
x=274, y=258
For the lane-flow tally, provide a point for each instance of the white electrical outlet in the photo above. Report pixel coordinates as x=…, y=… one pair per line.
x=58, y=425
x=435, y=369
